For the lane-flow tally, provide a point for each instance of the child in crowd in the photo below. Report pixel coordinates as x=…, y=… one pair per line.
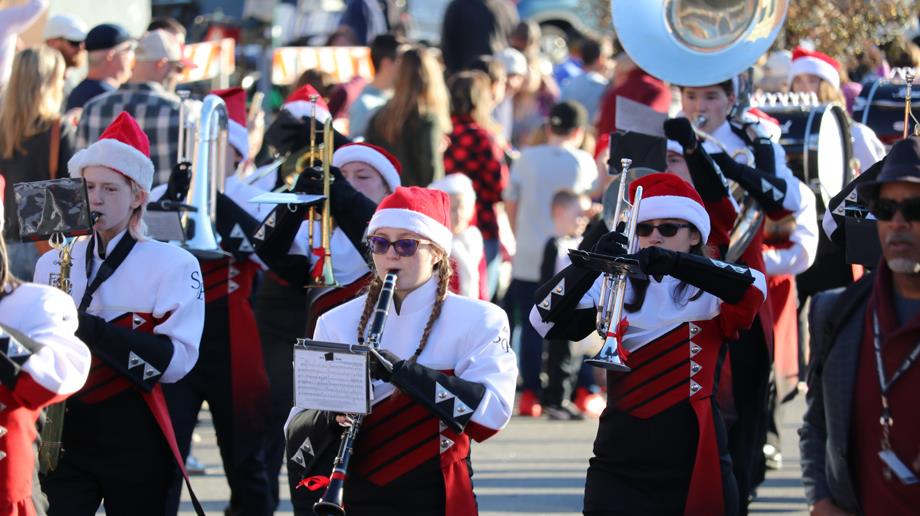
x=467, y=256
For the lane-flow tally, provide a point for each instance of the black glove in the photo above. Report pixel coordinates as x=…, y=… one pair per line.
x=180, y=179
x=378, y=370
x=681, y=131
x=612, y=244
x=657, y=261
x=90, y=329
x=310, y=182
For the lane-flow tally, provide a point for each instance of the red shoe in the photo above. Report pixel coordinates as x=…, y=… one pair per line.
x=590, y=403
x=529, y=405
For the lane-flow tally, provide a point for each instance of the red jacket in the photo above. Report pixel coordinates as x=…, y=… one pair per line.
x=639, y=86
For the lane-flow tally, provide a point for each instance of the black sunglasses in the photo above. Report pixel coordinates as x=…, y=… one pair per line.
x=884, y=209
x=668, y=229
x=404, y=247
x=74, y=44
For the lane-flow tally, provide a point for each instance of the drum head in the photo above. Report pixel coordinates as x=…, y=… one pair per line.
x=833, y=152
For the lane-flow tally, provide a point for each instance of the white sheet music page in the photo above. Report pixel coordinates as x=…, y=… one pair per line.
x=333, y=377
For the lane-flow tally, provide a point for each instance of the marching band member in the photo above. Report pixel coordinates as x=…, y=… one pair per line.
x=230, y=374
x=41, y=362
x=363, y=175
x=818, y=73
x=141, y=312
x=453, y=378
x=770, y=181
x=661, y=444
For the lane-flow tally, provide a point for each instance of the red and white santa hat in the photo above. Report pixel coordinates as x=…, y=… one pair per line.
x=420, y=210
x=379, y=158
x=299, y=104
x=815, y=63
x=122, y=147
x=666, y=196
x=238, y=135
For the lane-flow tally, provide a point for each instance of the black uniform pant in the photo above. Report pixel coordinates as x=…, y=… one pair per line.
x=750, y=362
x=281, y=313
x=562, y=368
x=210, y=381
x=114, y=453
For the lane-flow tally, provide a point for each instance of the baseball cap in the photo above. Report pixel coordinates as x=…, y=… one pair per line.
x=514, y=61
x=159, y=44
x=568, y=115
x=106, y=36
x=65, y=26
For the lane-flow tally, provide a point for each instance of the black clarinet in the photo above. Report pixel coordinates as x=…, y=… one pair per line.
x=332, y=501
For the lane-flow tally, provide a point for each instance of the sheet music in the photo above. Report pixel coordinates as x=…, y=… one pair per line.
x=330, y=376
x=637, y=117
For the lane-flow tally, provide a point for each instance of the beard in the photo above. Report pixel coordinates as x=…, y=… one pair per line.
x=904, y=265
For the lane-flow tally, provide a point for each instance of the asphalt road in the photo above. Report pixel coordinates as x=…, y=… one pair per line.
x=534, y=466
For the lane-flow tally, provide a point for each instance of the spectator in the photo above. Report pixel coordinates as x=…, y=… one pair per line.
x=35, y=144
x=589, y=87
x=170, y=25
x=472, y=28
x=110, y=51
x=539, y=91
x=474, y=151
x=413, y=124
x=321, y=81
x=516, y=72
x=149, y=96
x=384, y=50
x=467, y=259
x=365, y=20
x=13, y=22
x=536, y=176
x=637, y=85
x=572, y=66
x=67, y=34
x=863, y=377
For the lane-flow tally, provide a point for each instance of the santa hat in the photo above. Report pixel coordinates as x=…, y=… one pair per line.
x=666, y=196
x=238, y=135
x=455, y=183
x=815, y=63
x=299, y=104
x=420, y=210
x=122, y=147
x=379, y=158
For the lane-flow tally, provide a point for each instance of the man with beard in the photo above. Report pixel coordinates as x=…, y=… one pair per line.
x=864, y=375
x=67, y=34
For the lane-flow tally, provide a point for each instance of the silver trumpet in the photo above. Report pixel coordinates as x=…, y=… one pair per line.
x=613, y=282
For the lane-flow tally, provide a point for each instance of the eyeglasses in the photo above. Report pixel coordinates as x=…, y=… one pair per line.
x=404, y=247
x=74, y=44
x=884, y=209
x=668, y=229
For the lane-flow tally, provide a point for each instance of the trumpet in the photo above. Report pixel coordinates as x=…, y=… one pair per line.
x=332, y=503
x=610, y=321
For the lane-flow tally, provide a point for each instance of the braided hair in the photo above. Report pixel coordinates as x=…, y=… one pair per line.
x=443, y=271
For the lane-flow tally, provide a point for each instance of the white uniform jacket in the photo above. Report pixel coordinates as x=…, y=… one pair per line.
x=158, y=284
x=32, y=379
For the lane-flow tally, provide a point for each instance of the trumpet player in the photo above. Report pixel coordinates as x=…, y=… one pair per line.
x=452, y=378
x=141, y=312
x=41, y=362
x=661, y=445
x=732, y=143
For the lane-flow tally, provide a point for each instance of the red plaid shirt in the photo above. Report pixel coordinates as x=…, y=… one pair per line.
x=475, y=152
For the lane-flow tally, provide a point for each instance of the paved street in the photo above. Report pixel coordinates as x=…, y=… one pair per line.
x=533, y=467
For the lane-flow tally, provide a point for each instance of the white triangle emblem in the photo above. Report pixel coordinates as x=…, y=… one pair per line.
x=136, y=321
x=232, y=286
x=560, y=288
x=237, y=232
x=245, y=246
x=134, y=360
x=460, y=409
x=150, y=371
x=307, y=446
x=298, y=458
x=15, y=350
x=777, y=195
x=441, y=394
x=270, y=221
x=234, y=272
x=547, y=302
x=260, y=234
x=765, y=185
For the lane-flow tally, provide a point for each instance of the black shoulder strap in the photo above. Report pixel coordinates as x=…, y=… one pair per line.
x=108, y=266
x=850, y=299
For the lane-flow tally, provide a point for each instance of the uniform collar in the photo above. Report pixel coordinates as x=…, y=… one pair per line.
x=109, y=246
x=419, y=299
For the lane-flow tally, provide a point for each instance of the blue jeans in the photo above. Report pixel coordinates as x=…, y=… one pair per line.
x=517, y=303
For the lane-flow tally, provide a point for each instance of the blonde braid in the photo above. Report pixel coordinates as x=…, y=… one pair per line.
x=373, y=292
x=444, y=272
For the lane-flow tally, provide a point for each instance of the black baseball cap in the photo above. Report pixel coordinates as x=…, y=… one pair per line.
x=106, y=36
x=567, y=116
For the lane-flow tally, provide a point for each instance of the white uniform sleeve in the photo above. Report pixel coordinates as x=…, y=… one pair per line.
x=867, y=148
x=241, y=193
x=180, y=299
x=489, y=360
x=793, y=199
x=801, y=255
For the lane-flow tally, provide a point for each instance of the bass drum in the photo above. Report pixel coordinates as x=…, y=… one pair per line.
x=880, y=106
x=818, y=146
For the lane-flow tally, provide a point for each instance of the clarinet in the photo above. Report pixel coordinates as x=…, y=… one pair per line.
x=332, y=501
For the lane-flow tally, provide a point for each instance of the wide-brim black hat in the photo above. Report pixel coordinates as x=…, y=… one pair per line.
x=902, y=164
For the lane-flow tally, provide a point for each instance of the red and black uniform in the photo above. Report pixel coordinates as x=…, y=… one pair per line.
x=661, y=446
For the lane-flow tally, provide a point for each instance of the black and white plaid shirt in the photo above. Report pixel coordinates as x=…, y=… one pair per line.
x=156, y=111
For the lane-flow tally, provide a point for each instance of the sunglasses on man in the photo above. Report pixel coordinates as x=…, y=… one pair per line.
x=667, y=229
x=404, y=247
x=884, y=209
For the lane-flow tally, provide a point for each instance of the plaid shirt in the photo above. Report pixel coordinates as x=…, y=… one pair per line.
x=156, y=111
x=475, y=152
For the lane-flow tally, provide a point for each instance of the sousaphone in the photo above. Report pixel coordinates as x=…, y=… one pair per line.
x=699, y=43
